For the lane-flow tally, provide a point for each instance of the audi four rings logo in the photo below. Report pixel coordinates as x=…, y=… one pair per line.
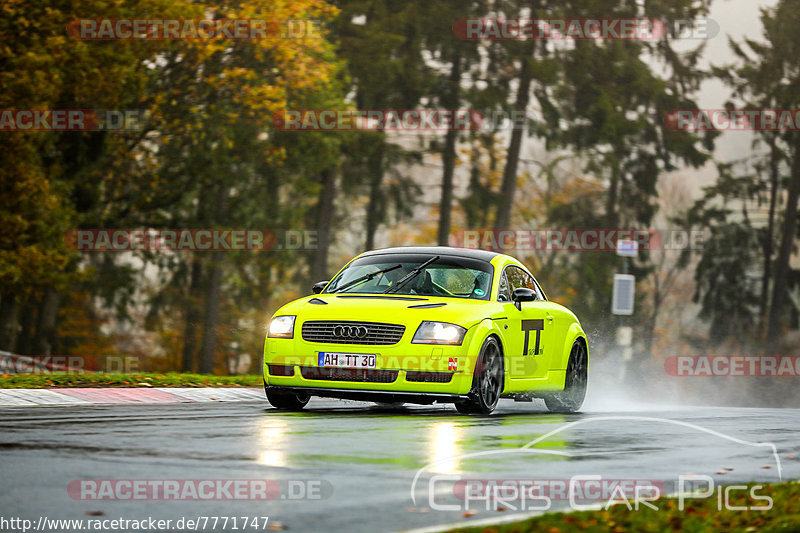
x=352, y=332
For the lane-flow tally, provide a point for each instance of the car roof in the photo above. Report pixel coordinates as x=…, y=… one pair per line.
x=484, y=255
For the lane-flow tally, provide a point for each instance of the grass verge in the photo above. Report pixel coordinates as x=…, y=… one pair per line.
x=99, y=379
x=698, y=516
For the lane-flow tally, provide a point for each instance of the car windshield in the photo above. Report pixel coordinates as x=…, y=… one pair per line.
x=453, y=276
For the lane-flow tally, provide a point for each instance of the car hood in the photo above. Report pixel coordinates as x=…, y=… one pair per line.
x=396, y=309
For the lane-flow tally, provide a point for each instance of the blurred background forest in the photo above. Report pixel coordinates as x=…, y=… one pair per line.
x=595, y=152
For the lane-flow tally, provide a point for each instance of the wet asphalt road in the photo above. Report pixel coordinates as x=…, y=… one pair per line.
x=363, y=459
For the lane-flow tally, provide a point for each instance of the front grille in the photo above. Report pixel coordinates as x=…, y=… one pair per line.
x=335, y=332
x=361, y=375
x=429, y=377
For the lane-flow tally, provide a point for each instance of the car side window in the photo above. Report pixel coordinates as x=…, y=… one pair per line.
x=518, y=278
x=504, y=293
x=538, y=289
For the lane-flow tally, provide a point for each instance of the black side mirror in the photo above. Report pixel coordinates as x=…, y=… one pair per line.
x=318, y=286
x=523, y=295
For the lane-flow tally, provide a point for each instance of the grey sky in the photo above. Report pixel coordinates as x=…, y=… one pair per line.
x=737, y=19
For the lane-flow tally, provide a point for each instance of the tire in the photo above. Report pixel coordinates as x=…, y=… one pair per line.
x=571, y=398
x=287, y=401
x=487, y=383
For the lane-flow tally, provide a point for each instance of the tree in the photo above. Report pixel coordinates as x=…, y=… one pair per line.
x=533, y=66
x=725, y=284
x=767, y=78
x=226, y=164
x=45, y=177
x=612, y=104
x=208, y=156
x=380, y=41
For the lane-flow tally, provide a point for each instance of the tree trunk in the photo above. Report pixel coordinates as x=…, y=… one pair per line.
x=612, y=199
x=326, y=210
x=24, y=344
x=209, y=344
x=471, y=203
x=509, y=183
x=774, y=183
x=451, y=102
x=784, y=255
x=653, y=322
x=9, y=323
x=192, y=315
x=48, y=317
x=213, y=289
x=480, y=200
x=374, y=206
x=197, y=286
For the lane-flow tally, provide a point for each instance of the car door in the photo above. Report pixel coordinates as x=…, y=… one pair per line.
x=512, y=338
x=530, y=322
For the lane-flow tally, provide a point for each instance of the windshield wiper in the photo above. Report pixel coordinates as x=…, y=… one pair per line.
x=365, y=277
x=405, y=279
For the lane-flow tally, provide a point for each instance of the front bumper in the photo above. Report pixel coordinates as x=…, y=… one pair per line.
x=403, y=369
x=372, y=395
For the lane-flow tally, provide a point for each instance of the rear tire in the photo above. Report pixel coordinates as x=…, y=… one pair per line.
x=487, y=383
x=571, y=398
x=288, y=401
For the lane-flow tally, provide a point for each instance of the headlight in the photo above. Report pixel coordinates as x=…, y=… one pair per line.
x=439, y=333
x=282, y=327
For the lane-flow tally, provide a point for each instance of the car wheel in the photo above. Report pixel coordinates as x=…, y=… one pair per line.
x=487, y=384
x=571, y=398
x=288, y=401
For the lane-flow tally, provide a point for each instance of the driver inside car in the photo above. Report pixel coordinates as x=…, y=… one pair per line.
x=420, y=285
x=392, y=277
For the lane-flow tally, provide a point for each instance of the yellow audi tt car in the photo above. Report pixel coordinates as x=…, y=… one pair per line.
x=425, y=325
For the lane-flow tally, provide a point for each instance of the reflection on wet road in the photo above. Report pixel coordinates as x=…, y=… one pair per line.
x=350, y=466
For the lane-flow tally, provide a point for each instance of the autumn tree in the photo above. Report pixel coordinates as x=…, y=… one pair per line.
x=766, y=77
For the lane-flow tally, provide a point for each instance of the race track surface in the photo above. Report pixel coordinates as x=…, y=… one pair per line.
x=359, y=460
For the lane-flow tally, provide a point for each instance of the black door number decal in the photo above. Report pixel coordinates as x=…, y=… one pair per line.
x=536, y=325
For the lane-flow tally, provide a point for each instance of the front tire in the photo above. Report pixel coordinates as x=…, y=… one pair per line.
x=487, y=383
x=571, y=398
x=288, y=401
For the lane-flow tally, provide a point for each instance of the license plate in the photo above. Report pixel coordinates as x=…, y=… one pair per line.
x=346, y=360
